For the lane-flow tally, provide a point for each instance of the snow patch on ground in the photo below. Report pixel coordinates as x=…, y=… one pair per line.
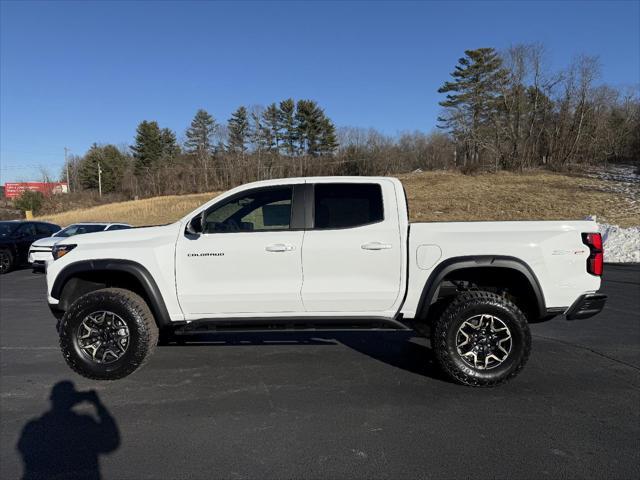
x=621, y=245
x=621, y=178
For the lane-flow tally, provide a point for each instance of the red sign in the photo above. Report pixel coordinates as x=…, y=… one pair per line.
x=14, y=190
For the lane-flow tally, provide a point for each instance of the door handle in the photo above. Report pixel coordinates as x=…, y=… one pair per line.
x=376, y=246
x=279, y=247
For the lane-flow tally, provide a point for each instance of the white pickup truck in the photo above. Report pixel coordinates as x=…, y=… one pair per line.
x=327, y=252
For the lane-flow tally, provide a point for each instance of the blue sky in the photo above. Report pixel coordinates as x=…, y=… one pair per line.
x=74, y=73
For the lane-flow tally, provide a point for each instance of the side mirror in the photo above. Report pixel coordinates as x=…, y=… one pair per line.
x=196, y=224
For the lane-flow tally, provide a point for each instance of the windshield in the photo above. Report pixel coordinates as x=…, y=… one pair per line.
x=78, y=229
x=7, y=228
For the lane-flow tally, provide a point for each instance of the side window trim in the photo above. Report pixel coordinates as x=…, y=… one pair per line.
x=298, y=207
x=311, y=204
x=294, y=215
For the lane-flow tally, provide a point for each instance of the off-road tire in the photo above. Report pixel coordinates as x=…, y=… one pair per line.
x=465, y=306
x=6, y=261
x=131, y=308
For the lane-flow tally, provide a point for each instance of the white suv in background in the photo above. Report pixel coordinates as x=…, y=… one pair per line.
x=40, y=250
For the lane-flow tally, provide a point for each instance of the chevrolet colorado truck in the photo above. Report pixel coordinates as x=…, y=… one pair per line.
x=323, y=253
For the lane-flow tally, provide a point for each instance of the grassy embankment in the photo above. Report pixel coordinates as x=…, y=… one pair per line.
x=433, y=196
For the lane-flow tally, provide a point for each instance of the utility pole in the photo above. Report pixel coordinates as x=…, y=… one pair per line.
x=66, y=164
x=99, y=180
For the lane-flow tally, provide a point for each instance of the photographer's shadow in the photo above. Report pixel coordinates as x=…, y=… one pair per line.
x=65, y=444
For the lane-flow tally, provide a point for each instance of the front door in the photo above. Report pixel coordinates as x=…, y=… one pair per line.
x=247, y=260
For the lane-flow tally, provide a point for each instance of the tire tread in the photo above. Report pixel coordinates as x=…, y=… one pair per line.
x=452, y=312
x=143, y=318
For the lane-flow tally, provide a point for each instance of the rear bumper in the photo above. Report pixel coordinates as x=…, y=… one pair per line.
x=586, y=306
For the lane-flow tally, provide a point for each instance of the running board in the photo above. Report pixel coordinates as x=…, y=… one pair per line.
x=292, y=324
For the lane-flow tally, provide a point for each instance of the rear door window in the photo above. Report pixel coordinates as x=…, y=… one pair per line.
x=44, y=229
x=27, y=230
x=347, y=205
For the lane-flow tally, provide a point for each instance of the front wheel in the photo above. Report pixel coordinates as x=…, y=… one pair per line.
x=482, y=339
x=107, y=334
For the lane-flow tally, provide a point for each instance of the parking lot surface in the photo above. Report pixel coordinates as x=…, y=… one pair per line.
x=323, y=405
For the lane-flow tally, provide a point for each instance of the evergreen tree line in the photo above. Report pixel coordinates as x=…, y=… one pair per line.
x=212, y=156
x=500, y=110
x=507, y=110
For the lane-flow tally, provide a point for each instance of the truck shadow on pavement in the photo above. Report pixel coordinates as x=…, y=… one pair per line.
x=399, y=349
x=65, y=444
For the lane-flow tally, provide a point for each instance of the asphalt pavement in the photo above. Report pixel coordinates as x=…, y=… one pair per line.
x=323, y=405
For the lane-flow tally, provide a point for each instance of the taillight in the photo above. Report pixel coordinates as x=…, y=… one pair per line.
x=595, y=262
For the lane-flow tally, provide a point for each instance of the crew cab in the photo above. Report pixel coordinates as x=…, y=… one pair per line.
x=325, y=252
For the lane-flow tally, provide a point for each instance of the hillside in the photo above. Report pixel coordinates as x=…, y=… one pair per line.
x=433, y=196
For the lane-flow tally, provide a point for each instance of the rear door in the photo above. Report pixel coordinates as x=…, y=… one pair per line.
x=352, y=257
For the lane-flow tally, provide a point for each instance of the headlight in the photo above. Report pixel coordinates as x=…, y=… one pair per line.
x=60, y=251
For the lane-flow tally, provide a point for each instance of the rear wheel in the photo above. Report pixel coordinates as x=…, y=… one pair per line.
x=481, y=339
x=6, y=261
x=108, y=334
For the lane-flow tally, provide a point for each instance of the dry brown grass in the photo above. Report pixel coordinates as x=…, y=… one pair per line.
x=446, y=196
x=149, y=211
x=433, y=196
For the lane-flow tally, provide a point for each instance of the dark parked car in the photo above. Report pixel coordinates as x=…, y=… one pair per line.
x=15, y=239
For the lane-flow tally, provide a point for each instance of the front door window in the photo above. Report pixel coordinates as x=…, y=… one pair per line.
x=261, y=210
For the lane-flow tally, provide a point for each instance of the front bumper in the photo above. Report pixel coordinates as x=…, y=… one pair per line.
x=586, y=306
x=39, y=256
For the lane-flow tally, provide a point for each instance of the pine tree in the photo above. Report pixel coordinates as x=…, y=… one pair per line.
x=471, y=96
x=200, y=140
x=258, y=134
x=309, y=119
x=200, y=134
x=238, y=126
x=153, y=144
x=170, y=147
x=271, y=126
x=287, y=126
x=328, y=140
x=149, y=148
x=112, y=165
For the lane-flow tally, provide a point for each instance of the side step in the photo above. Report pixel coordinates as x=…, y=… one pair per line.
x=291, y=324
